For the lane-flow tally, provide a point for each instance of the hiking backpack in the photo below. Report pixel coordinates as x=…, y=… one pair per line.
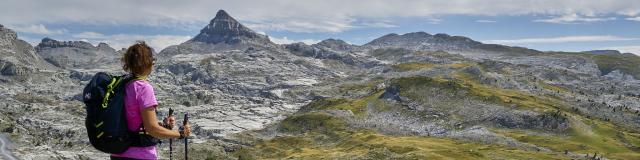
x=106, y=122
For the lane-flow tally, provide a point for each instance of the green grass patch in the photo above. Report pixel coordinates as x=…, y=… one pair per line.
x=553, y=87
x=627, y=63
x=358, y=87
x=357, y=106
x=370, y=145
x=313, y=121
x=412, y=66
x=390, y=52
x=593, y=136
x=465, y=85
x=459, y=65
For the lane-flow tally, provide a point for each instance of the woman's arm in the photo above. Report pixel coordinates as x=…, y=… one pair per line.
x=152, y=127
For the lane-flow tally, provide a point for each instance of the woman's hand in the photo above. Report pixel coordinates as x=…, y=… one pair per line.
x=185, y=131
x=155, y=128
x=169, y=122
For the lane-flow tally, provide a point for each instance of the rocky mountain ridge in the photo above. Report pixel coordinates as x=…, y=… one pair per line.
x=17, y=57
x=77, y=54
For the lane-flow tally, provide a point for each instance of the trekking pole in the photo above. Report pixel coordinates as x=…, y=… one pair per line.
x=186, y=138
x=170, y=139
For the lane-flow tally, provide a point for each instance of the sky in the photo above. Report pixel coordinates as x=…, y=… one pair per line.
x=547, y=25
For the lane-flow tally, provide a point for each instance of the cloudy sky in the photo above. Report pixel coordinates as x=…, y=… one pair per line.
x=566, y=25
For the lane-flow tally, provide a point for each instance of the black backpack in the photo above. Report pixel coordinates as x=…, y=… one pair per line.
x=106, y=122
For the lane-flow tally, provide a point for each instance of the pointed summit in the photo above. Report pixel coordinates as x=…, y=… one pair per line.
x=222, y=14
x=223, y=33
x=225, y=29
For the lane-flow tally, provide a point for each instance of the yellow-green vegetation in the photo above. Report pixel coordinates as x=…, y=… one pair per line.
x=598, y=136
x=508, y=96
x=359, y=87
x=390, y=52
x=585, y=136
x=376, y=146
x=357, y=106
x=412, y=66
x=480, y=91
x=400, y=52
x=313, y=121
x=459, y=65
x=316, y=135
x=444, y=55
x=508, y=50
x=553, y=87
x=626, y=63
x=343, y=143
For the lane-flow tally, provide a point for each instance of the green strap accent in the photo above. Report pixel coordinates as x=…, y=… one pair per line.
x=100, y=135
x=110, y=87
x=99, y=124
x=115, y=82
x=109, y=90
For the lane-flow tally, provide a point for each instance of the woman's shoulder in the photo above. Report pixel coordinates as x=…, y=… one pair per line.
x=140, y=84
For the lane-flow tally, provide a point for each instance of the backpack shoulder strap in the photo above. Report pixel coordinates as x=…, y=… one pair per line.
x=131, y=78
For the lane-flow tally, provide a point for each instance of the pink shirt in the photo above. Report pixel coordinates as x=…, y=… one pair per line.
x=139, y=96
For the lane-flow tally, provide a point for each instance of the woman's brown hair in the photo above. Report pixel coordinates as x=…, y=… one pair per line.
x=138, y=60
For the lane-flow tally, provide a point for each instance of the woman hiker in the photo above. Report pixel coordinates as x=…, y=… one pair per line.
x=140, y=104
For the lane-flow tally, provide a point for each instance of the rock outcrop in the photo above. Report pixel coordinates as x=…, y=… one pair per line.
x=17, y=57
x=77, y=54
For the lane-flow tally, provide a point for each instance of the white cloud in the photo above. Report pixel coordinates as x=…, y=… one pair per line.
x=261, y=32
x=302, y=26
x=118, y=41
x=290, y=15
x=37, y=29
x=90, y=35
x=434, y=20
x=285, y=40
x=158, y=42
x=377, y=25
x=574, y=19
x=626, y=49
x=485, y=21
x=564, y=39
x=633, y=18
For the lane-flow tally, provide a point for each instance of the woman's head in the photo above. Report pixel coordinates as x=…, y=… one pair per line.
x=138, y=60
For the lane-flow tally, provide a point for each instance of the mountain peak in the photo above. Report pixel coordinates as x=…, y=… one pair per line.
x=222, y=14
x=225, y=29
